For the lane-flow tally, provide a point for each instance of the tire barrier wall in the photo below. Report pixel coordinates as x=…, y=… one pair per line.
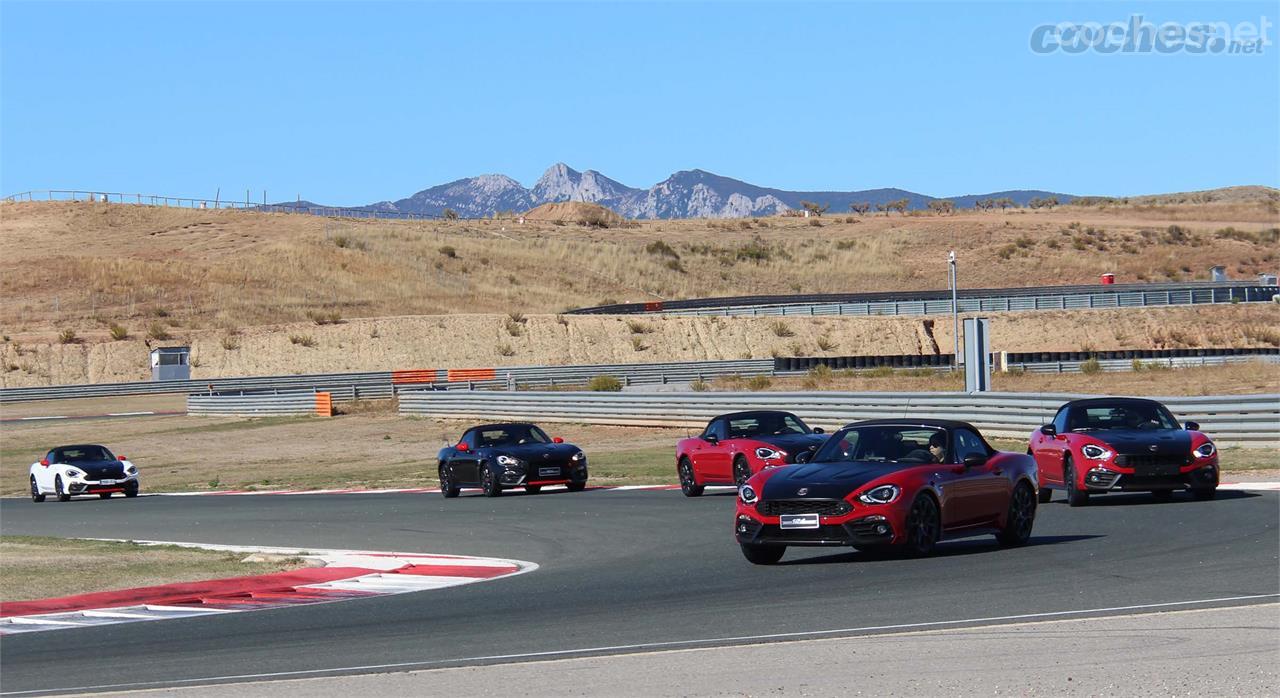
x=1233, y=419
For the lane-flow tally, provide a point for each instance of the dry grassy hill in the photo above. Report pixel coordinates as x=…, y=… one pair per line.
x=85, y=285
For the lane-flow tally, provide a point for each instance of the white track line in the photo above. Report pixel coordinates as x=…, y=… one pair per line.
x=654, y=646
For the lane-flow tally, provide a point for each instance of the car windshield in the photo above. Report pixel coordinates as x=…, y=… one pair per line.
x=1121, y=415
x=885, y=444
x=511, y=435
x=766, y=424
x=83, y=454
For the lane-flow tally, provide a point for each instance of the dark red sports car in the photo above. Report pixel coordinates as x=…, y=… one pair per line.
x=735, y=446
x=1122, y=444
x=885, y=484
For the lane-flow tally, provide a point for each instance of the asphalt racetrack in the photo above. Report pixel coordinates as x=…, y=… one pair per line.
x=624, y=571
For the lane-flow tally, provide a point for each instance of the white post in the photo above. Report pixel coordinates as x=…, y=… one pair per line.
x=955, y=311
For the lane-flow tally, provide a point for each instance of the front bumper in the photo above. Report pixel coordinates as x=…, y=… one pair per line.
x=1108, y=480
x=83, y=486
x=861, y=529
x=543, y=475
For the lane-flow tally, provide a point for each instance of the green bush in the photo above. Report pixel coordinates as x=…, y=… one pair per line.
x=604, y=384
x=67, y=336
x=118, y=332
x=759, y=383
x=1090, y=367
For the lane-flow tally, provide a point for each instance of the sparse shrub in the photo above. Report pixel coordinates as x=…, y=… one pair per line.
x=159, y=312
x=1006, y=252
x=449, y=251
x=815, y=223
x=12, y=367
x=305, y=340
x=781, y=329
x=697, y=386
x=604, y=384
x=1024, y=242
x=797, y=349
x=230, y=343
x=1090, y=366
x=638, y=327
x=450, y=214
x=846, y=244
x=513, y=327
x=119, y=332
x=637, y=344
x=516, y=316
x=323, y=317
x=674, y=265
x=157, y=331
x=825, y=343
x=1052, y=244
x=562, y=320
x=744, y=225
x=1262, y=334
x=759, y=383
x=662, y=249
x=1079, y=243
x=506, y=350
x=754, y=251
x=880, y=372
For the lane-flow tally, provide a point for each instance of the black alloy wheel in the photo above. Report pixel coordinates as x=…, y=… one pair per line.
x=489, y=483
x=763, y=554
x=741, y=471
x=577, y=486
x=923, y=526
x=447, y=488
x=1021, y=517
x=1076, y=497
x=35, y=491
x=687, y=484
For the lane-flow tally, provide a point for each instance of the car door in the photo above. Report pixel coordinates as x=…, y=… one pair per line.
x=990, y=485
x=464, y=463
x=711, y=460
x=44, y=473
x=969, y=491
x=1048, y=450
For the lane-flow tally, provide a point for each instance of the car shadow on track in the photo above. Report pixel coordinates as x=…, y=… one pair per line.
x=1145, y=499
x=975, y=546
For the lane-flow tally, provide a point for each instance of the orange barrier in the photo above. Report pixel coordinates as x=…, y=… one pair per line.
x=411, y=376
x=652, y=306
x=459, y=375
x=324, y=404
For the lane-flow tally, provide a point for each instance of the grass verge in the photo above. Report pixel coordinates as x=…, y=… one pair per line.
x=34, y=567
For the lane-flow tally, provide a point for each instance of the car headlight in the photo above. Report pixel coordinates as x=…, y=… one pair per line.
x=578, y=457
x=72, y=472
x=1205, y=450
x=770, y=453
x=1095, y=452
x=748, y=495
x=884, y=494
x=132, y=470
x=508, y=461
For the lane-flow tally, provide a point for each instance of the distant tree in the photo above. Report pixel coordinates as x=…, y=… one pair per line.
x=942, y=206
x=450, y=214
x=1004, y=203
x=899, y=205
x=860, y=208
x=814, y=209
x=882, y=207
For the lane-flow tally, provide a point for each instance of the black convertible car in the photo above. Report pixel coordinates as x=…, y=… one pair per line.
x=495, y=457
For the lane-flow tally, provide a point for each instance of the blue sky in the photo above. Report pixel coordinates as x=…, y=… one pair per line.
x=347, y=104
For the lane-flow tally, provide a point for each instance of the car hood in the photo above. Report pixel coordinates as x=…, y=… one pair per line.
x=824, y=480
x=95, y=469
x=530, y=452
x=1140, y=442
x=792, y=443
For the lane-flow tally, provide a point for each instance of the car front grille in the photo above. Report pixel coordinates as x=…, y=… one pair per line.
x=823, y=507
x=1148, y=460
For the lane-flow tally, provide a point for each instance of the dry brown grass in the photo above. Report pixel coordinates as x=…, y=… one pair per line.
x=36, y=568
x=208, y=269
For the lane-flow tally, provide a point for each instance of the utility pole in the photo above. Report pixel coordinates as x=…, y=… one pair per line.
x=955, y=311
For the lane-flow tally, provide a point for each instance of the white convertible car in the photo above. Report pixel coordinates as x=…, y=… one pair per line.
x=67, y=471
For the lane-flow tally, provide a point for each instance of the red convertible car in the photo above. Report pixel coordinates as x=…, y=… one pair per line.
x=735, y=446
x=1122, y=444
x=889, y=484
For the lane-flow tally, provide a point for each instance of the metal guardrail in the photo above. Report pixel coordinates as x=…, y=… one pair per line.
x=386, y=384
x=259, y=404
x=937, y=302
x=1237, y=419
x=162, y=200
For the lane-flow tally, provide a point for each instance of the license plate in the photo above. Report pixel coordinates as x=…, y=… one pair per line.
x=798, y=521
x=1158, y=470
x=548, y=472
x=106, y=482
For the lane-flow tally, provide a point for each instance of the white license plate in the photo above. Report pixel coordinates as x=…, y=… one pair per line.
x=548, y=472
x=798, y=521
x=106, y=482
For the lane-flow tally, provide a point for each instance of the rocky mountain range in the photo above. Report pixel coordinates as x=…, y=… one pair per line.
x=685, y=194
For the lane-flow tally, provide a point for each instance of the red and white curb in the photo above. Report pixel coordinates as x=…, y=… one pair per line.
x=339, y=575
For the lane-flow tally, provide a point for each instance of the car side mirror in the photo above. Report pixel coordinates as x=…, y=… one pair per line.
x=464, y=447
x=1049, y=430
x=804, y=456
x=1193, y=426
x=711, y=439
x=819, y=430
x=557, y=440
x=974, y=460
x=44, y=461
x=122, y=458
